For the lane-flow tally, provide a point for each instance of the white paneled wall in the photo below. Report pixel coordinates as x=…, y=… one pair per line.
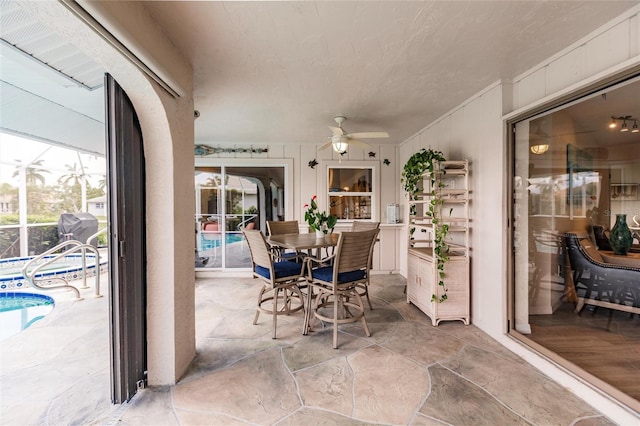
x=307, y=182
x=476, y=130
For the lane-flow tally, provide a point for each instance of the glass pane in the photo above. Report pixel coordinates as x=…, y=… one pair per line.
x=229, y=199
x=349, y=180
x=242, y=201
x=343, y=182
x=574, y=174
x=209, y=217
x=350, y=206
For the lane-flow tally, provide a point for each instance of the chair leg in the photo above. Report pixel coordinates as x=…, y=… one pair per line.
x=335, y=321
x=255, y=320
x=307, y=311
x=609, y=320
x=366, y=293
x=364, y=320
x=275, y=310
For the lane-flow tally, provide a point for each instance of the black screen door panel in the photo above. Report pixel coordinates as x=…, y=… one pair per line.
x=127, y=253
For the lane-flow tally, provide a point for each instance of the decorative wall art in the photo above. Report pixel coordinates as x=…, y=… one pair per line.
x=203, y=150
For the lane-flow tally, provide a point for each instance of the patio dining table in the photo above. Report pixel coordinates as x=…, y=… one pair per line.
x=300, y=242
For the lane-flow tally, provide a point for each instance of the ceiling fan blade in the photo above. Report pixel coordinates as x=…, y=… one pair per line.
x=368, y=135
x=337, y=131
x=361, y=144
x=325, y=145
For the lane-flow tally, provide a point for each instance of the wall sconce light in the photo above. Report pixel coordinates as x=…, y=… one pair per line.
x=624, y=127
x=539, y=149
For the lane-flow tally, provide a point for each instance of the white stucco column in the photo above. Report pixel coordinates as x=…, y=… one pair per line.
x=167, y=130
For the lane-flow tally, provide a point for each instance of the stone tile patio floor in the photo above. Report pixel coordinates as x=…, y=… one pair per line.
x=406, y=373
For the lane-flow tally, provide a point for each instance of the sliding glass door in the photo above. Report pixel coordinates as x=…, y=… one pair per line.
x=228, y=200
x=577, y=168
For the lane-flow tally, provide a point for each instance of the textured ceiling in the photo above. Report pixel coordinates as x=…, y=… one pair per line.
x=272, y=72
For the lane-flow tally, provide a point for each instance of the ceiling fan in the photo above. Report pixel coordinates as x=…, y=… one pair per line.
x=341, y=139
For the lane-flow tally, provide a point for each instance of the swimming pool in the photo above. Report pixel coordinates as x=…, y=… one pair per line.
x=207, y=242
x=20, y=310
x=69, y=268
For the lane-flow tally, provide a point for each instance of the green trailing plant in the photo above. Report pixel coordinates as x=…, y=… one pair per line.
x=317, y=220
x=411, y=179
x=413, y=170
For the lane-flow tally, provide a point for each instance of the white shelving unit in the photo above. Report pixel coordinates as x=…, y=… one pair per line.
x=451, y=186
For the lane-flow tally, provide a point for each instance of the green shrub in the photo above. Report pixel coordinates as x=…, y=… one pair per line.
x=41, y=238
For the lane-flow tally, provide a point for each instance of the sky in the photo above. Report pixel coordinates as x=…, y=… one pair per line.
x=13, y=148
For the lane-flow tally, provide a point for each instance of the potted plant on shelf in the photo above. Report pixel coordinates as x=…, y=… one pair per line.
x=319, y=221
x=411, y=179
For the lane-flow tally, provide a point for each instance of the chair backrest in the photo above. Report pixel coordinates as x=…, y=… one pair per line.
x=581, y=256
x=604, y=275
x=362, y=225
x=258, y=248
x=354, y=251
x=283, y=227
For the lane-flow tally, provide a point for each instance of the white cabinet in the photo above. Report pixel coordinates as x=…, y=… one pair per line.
x=419, y=280
x=440, y=288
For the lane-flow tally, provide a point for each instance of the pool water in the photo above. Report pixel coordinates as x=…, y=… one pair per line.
x=210, y=243
x=20, y=310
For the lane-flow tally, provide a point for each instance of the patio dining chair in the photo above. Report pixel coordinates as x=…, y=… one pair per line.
x=338, y=300
x=362, y=225
x=280, y=293
x=284, y=227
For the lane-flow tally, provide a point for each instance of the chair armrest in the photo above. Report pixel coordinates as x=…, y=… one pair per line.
x=322, y=261
x=278, y=256
x=318, y=262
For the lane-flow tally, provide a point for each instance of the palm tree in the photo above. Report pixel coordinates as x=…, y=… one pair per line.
x=102, y=183
x=33, y=174
x=73, y=178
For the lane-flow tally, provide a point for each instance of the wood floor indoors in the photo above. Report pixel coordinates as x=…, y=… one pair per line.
x=594, y=335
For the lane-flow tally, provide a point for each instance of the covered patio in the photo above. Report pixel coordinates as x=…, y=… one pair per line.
x=407, y=372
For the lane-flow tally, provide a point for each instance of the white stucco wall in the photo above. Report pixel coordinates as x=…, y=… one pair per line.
x=476, y=130
x=167, y=128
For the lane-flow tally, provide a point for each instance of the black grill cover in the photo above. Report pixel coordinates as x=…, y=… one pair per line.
x=77, y=226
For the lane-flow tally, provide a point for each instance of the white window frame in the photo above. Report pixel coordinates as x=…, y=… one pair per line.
x=323, y=185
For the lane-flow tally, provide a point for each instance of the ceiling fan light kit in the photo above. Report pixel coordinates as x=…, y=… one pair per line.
x=340, y=140
x=339, y=144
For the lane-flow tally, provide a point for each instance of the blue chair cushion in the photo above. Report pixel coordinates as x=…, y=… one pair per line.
x=281, y=269
x=326, y=274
